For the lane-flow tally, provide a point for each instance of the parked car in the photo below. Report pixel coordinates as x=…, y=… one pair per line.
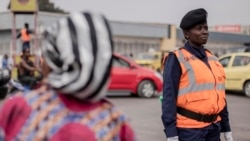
x=237, y=69
x=127, y=77
x=152, y=60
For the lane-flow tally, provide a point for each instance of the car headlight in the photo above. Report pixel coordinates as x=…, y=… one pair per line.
x=158, y=75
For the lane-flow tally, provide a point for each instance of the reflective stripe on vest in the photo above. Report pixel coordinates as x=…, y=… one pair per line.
x=201, y=89
x=24, y=36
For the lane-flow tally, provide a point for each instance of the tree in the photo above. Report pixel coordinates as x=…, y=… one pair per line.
x=47, y=6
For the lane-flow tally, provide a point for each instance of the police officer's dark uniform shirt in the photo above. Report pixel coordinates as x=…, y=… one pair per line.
x=172, y=74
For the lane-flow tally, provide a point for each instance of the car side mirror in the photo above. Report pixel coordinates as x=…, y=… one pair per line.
x=224, y=65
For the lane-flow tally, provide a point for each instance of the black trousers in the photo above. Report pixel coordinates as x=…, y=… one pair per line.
x=209, y=133
x=26, y=45
x=28, y=81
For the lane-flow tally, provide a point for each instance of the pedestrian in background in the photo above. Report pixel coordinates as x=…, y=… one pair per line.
x=26, y=70
x=72, y=107
x=5, y=61
x=194, y=106
x=11, y=64
x=24, y=34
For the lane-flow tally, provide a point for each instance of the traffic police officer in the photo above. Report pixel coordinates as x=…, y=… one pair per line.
x=194, y=106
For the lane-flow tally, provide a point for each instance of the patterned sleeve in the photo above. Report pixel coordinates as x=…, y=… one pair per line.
x=3, y=120
x=127, y=133
x=11, y=117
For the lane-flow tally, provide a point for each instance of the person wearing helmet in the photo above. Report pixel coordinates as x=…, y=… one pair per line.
x=4, y=80
x=194, y=106
x=71, y=105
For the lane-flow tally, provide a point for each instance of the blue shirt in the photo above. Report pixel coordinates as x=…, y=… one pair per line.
x=171, y=75
x=5, y=64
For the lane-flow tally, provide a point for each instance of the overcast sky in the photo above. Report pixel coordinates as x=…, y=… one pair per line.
x=220, y=12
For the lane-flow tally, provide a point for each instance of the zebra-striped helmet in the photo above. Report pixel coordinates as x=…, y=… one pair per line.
x=78, y=49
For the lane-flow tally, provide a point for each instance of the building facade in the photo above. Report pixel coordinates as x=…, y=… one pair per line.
x=220, y=43
x=129, y=38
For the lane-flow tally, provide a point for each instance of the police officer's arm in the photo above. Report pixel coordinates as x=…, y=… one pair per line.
x=225, y=126
x=28, y=67
x=171, y=76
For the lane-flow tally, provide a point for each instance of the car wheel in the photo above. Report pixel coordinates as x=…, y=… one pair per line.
x=247, y=89
x=146, y=89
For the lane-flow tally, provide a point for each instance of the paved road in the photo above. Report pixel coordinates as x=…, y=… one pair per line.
x=145, y=116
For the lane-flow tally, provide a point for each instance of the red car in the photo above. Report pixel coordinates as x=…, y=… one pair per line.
x=127, y=77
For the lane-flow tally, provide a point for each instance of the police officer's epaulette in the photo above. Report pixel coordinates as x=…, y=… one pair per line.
x=175, y=49
x=209, y=52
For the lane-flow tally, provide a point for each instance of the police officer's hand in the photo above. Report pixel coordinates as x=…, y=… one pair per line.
x=228, y=136
x=173, y=138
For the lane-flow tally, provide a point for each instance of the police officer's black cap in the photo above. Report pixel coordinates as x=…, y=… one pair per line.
x=193, y=18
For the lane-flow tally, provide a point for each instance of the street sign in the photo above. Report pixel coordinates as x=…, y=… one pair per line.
x=24, y=6
x=228, y=28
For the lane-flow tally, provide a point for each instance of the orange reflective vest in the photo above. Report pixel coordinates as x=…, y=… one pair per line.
x=25, y=37
x=201, y=89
